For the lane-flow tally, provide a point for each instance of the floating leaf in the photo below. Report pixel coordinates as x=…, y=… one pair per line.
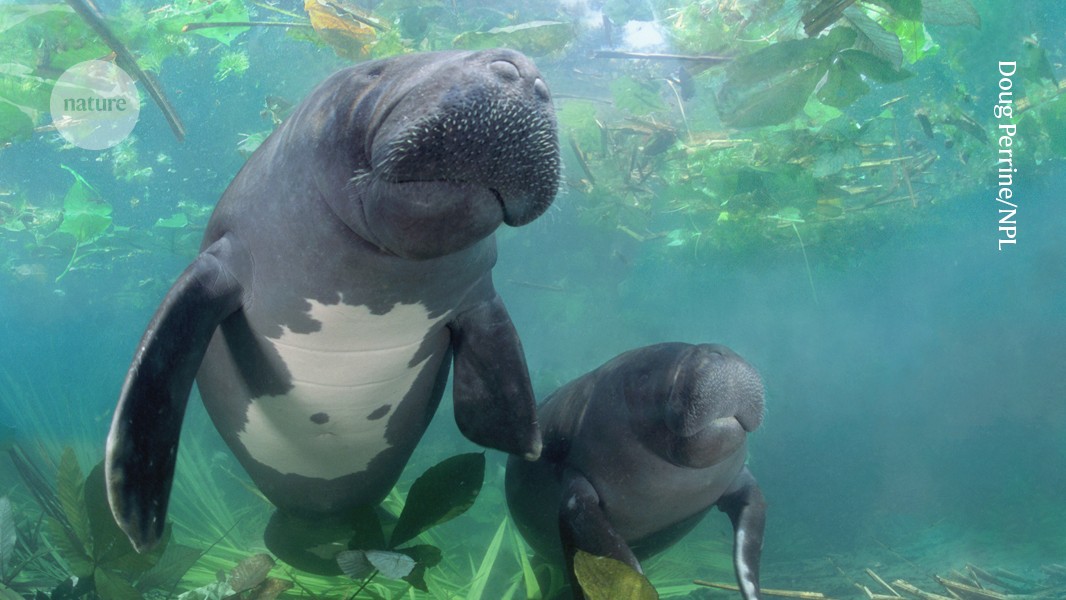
x=603, y=578
x=85, y=215
x=776, y=104
x=445, y=491
x=843, y=85
x=535, y=38
x=348, y=30
x=8, y=535
x=872, y=66
x=174, y=221
x=874, y=38
x=950, y=12
x=250, y=572
x=770, y=86
x=914, y=40
x=7, y=593
x=174, y=17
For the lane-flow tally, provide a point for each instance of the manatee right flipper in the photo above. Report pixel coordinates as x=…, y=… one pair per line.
x=494, y=402
x=746, y=508
x=142, y=445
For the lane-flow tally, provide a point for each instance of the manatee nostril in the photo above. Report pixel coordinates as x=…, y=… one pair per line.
x=541, y=89
x=505, y=69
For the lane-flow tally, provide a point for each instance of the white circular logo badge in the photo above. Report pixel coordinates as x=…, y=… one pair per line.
x=95, y=105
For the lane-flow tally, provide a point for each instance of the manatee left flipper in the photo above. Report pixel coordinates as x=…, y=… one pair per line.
x=494, y=403
x=746, y=507
x=584, y=526
x=142, y=445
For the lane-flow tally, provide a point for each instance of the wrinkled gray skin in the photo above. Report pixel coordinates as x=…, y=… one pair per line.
x=345, y=269
x=637, y=451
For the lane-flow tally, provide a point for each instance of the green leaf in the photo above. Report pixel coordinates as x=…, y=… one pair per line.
x=70, y=491
x=8, y=535
x=182, y=12
x=443, y=492
x=112, y=586
x=110, y=546
x=603, y=578
x=784, y=57
x=15, y=125
x=477, y=588
x=770, y=86
x=171, y=567
x=425, y=556
x=776, y=104
x=85, y=215
x=7, y=593
x=13, y=14
x=950, y=12
x=874, y=38
x=535, y=38
x=913, y=39
x=636, y=97
x=69, y=548
x=529, y=578
x=874, y=67
x=906, y=9
x=843, y=85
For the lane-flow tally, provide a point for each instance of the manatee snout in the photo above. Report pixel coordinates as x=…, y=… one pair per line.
x=486, y=120
x=714, y=388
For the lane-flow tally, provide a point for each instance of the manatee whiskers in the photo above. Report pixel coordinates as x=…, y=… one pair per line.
x=503, y=144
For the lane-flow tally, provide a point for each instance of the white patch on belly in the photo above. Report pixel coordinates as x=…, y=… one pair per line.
x=355, y=364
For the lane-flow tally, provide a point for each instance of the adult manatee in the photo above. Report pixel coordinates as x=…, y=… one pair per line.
x=344, y=271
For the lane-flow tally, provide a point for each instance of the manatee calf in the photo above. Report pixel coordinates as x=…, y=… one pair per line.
x=344, y=271
x=637, y=451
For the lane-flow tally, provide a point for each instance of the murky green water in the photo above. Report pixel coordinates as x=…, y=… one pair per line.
x=824, y=204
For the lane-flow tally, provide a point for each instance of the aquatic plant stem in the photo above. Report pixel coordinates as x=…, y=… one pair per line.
x=70, y=263
x=810, y=277
x=366, y=582
x=680, y=107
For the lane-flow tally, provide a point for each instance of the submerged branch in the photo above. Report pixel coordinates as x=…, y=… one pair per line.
x=91, y=15
x=194, y=26
x=705, y=59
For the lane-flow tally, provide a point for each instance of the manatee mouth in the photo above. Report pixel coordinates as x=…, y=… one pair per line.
x=502, y=144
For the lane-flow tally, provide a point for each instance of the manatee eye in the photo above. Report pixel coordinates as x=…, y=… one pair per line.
x=506, y=70
x=376, y=71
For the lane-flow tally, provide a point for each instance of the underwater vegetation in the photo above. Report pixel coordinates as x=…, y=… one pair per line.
x=745, y=126
x=816, y=127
